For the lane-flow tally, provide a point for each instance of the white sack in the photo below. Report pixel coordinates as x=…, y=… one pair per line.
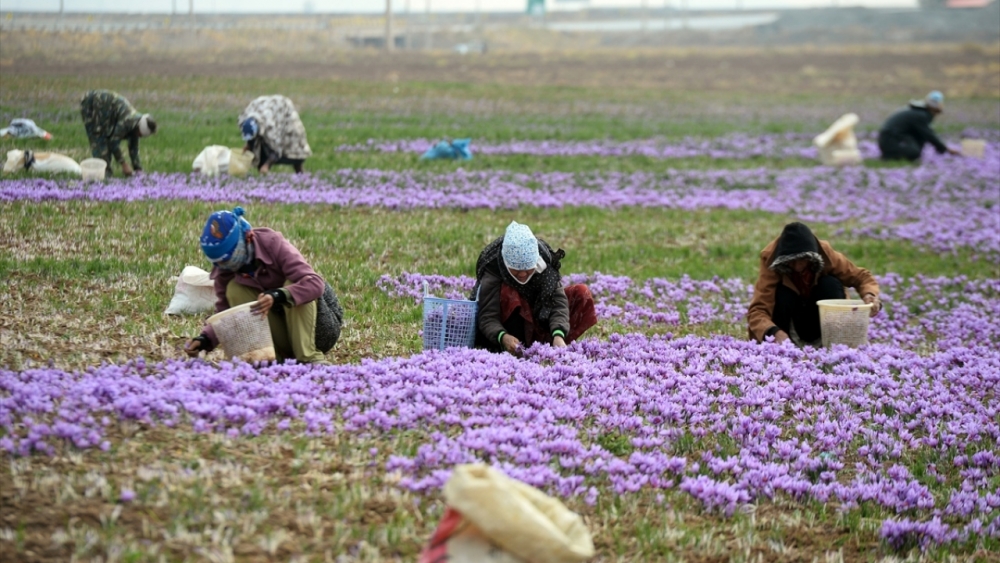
x=194, y=293
x=212, y=160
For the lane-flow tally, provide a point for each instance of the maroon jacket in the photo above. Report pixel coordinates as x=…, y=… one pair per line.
x=277, y=262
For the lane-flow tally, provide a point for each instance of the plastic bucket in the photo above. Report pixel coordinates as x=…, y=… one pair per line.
x=93, y=169
x=973, y=147
x=449, y=323
x=239, y=162
x=844, y=321
x=243, y=335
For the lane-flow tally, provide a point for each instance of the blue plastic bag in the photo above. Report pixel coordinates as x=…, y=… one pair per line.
x=454, y=150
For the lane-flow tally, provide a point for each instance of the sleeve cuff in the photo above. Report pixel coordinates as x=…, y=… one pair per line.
x=772, y=331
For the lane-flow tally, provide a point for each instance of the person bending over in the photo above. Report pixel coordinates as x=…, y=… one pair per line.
x=796, y=271
x=272, y=130
x=260, y=265
x=521, y=297
x=905, y=133
x=110, y=119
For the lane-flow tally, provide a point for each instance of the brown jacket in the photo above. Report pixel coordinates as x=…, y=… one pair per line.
x=834, y=264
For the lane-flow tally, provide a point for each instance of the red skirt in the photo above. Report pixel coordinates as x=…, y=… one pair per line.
x=515, y=310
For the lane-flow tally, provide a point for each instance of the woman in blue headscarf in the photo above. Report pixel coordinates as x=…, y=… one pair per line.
x=260, y=265
x=272, y=130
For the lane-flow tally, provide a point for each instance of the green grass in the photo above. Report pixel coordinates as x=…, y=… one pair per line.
x=87, y=282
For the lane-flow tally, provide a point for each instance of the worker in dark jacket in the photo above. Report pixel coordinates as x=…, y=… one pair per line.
x=905, y=133
x=521, y=297
x=110, y=119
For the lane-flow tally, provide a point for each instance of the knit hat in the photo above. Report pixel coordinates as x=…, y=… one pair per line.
x=222, y=233
x=934, y=100
x=520, y=247
x=249, y=128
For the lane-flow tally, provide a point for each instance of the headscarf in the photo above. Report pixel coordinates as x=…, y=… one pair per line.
x=223, y=240
x=147, y=125
x=796, y=241
x=538, y=290
x=935, y=100
x=520, y=249
x=249, y=128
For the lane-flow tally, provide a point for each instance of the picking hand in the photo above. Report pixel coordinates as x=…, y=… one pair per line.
x=511, y=344
x=127, y=169
x=876, y=304
x=263, y=304
x=192, y=348
x=558, y=342
x=780, y=337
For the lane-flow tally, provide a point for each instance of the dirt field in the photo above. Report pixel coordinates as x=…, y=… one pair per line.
x=964, y=71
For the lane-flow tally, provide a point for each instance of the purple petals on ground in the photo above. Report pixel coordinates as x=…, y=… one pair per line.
x=727, y=421
x=733, y=146
x=920, y=314
x=946, y=204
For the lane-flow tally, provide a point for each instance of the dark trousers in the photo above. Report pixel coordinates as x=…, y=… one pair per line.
x=790, y=307
x=900, y=148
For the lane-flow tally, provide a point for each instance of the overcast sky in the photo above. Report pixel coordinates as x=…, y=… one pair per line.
x=374, y=6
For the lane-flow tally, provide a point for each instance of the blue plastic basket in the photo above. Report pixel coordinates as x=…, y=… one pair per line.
x=449, y=323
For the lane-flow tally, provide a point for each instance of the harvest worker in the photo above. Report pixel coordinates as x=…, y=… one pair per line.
x=274, y=133
x=796, y=271
x=521, y=297
x=260, y=265
x=110, y=119
x=904, y=134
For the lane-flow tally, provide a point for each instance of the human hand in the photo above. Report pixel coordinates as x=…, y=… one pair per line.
x=876, y=304
x=265, y=168
x=511, y=344
x=263, y=304
x=780, y=337
x=558, y=342
x=955, y=152
x=192, y=348
x=127, y=169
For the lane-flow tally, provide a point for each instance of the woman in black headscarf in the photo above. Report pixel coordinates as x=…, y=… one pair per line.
x=796, y=271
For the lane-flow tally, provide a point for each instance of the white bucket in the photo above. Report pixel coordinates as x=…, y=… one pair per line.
x=93, y=168
x=243, y=334
x=973, y=147
x=239, y=162
x=844, y=321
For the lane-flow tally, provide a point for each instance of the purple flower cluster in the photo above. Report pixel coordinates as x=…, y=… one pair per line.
x=912, y=437
x=945, y=204
x=921, y=313
x=732, y=146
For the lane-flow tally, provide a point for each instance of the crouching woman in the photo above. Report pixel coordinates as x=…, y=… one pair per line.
x=796, y=271
x=521, y=297
x=259, y=265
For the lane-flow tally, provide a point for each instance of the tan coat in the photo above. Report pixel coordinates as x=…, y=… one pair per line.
x=834, y=264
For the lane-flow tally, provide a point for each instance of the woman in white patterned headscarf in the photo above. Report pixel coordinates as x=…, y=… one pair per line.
x=274, y=133
x=521, y=297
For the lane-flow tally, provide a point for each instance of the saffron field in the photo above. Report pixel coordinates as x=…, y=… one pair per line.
x=675, y=437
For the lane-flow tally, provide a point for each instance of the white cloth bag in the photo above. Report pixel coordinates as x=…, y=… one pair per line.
x=193, y=294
